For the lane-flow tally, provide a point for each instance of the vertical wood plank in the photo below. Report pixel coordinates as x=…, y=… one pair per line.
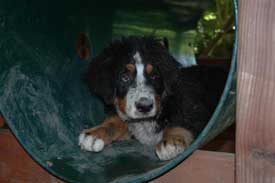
x=255, y=150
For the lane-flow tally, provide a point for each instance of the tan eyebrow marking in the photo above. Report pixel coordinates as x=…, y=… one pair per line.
x=149, y=68
x=131, y=68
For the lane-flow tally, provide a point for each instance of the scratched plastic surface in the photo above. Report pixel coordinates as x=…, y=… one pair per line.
x=46, y=104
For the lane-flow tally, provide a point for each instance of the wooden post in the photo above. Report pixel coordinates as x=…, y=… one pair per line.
x=255, y=155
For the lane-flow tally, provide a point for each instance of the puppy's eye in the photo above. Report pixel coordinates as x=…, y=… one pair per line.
x=125, y=77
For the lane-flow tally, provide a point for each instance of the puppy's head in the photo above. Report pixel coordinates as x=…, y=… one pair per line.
x=132, y=73
x=139, y=87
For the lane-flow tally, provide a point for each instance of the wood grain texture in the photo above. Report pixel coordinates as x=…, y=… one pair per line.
x=16, y=166
x=202, y=166
x=255, y=150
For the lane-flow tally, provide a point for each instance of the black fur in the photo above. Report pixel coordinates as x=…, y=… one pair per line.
x=190, y=95
x=105, y=68
x=192, y=98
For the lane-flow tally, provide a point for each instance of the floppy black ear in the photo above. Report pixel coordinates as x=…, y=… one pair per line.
x=100, y=77
x=169, y=69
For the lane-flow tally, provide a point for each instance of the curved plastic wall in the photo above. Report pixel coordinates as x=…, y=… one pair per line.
x=45, y=103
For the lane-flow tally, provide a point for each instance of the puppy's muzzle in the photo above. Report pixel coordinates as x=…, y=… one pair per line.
x=144, y=105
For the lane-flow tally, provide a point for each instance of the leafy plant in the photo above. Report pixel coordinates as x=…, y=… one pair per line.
x=215, y=31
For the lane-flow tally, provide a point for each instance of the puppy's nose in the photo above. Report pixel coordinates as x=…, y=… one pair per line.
x=144, y=105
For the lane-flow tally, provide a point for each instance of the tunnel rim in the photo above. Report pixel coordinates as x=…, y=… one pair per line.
x=155, y=173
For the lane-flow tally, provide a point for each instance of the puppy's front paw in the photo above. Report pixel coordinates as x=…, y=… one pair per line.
x=90, y=142
x=170, y=147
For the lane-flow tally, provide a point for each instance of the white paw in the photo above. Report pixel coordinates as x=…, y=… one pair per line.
x=90, y=143
x=169, y=151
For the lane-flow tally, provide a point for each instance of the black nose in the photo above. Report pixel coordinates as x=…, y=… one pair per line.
x=144, y=105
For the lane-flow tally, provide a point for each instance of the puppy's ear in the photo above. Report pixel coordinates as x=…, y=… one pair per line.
x=169, y=68
x=100, y=77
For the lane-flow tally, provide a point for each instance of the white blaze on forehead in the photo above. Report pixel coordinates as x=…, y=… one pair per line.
x=137, y=91
x=140, y=68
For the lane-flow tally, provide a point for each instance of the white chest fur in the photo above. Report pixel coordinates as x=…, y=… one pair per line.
x=145, y=132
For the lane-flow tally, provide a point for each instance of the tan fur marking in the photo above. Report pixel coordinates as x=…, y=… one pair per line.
x=131, y=68
x=121, y=103
x=149, y=68
x=158, y=146
x=176, y=136
x=112, y=129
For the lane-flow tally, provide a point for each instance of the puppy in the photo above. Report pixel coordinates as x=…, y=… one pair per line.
x=155, y=100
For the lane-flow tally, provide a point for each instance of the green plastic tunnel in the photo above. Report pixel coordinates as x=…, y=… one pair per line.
x=46, y=105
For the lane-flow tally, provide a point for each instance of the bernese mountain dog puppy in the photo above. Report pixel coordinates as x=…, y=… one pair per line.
x=155, y=100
